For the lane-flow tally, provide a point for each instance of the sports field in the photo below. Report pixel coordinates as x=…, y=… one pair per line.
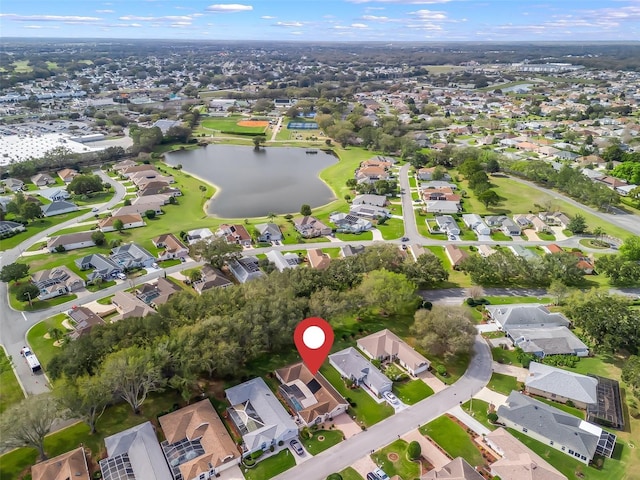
x=236, y=125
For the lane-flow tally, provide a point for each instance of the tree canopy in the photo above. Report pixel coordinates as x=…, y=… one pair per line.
x=83, y=184
x=14, y=271
x=444, y=331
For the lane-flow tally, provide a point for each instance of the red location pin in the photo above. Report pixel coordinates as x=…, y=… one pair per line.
x=313, y=338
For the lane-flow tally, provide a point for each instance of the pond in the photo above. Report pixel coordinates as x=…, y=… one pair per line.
x=252, y=183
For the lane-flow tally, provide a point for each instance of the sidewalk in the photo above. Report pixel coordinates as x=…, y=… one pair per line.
x=469, y=421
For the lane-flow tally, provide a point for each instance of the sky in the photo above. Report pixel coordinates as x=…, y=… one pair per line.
x=327, y=20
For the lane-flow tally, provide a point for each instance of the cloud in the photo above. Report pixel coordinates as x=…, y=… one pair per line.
x=229, y=8
x=430, y=15
x=105, y=11
x=289, y=24
x=268, y=17
x=32, y=26
x=359, y=25
x=166, y=18
x=403, y=2
x=49, y=18
x=374, y=18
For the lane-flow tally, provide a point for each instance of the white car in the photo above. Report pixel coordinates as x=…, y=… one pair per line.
x=391, y=398
x=95, y=209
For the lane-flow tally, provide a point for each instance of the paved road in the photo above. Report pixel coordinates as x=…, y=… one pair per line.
x=346, y=453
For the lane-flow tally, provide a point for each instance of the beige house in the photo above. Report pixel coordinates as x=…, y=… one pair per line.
x=455, y=255
x=72, y=464
x=386, y=345
x=205, y=448
x=318, y=259
x=67, y=174
x=57, y=281
x=456, y=469
x=131, y=220
x=173, y=248
x=128, y=306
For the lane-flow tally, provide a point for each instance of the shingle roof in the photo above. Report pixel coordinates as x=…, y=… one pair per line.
x=354, y=364
x=385, y=343
x=456, y=469
x=560, y=382
x=71, y=464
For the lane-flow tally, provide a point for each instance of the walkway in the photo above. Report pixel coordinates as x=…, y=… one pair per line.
x=469, y=421
x=377, y=234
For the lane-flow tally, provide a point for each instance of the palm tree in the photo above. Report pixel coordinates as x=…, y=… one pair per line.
x=271, y=216
x=598, y=232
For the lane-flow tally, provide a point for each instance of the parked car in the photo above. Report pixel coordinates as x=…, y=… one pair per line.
x=391, y=398
x=452, y=237
x=95, y=209
x=405, y=239
x=378, y=472
x=121, y=276
x=155, y=265
x=372, y=476
x=295, y=444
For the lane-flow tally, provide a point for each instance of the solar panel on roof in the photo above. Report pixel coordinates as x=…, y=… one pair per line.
x=314, y=386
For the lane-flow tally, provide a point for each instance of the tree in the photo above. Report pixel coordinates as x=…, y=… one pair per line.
x=30, y=211
x=489, y=197
x=98, y=238
x=178, y=133
x=444, y=331
x=14, y=271
x=305, y=210
x=334, y=476
x=132, y=373
x=630, y=248
x=216, y=252
x=578, y=224
x=559, y=291
x=598, y=233
x=28, y=422
x=258, y=140
x=414, y=451
x=118, y=225
x=83, y=184
x=631, y=372
x=85, y=397
x=427, y=271
x=492, y=166
x=26, y=292
x=150, y=214
x=392, y=292
x=195, y=275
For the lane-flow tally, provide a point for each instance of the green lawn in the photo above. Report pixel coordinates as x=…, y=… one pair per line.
x=502, y=383
x=350, y=474
x=404, y=468
x=43, y=347
x=561, y=406
x=479, y=410
x=10, y=392
x=456, y=278
x=230, y=125
x=455, y=367
x=392, y=228
x=37, y=226
x=505, y=356
x=95, y=287
x=270, y=467
x=500, y=237
x=366, y=410
x=348, y=237
x=613, y=468
x=512, y=300
x=453, y=439
x=37, y=304
x=329, y=438
x=412, y=391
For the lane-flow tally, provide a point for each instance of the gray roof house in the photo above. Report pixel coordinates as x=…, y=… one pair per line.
x=509, y=227
x=443, y=206
x=259, y=416
x=283, y=261
x=345, y=222
x=9, y=228
x=132, y=255
x=58, y=207
x=543, y=341
x=560, y=430
x=350, y=364
x=245, y=268
x=135, y=454
x=370, y=199
x=369, y=211
x=520, y=251
x=13, y=184
x=525, y=315
x=448, y=225
x=561, y=385
x=104, y=267
x=475, y=222
x=269, y=232
x=54, y=193
x=310, y=227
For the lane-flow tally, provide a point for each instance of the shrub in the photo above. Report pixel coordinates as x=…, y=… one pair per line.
x=280, y=443
x=60, y=248
x=414, y=450
x=570, y=403
x=442, y=370
x=492, y=417
x=334, y=476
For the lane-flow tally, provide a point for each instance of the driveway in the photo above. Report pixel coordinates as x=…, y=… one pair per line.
x=491, y=397
x=532, y=235
x=377, y=234
x=364, y=465
x=520, y=373
x=558, y=232
x=346, y=425
x=484, y=238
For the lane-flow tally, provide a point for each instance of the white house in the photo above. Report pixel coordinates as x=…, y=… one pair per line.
x=70, y=241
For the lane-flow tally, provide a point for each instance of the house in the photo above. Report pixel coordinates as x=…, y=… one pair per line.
x=548, y=341
x=126, y=172
x=234, y=234
x=552, y=248
x=211, y=278
x=158, y=188
x=350, y=364
x=443, y=206
x=57, y=281
x=518, y=462
x=69, y=465
x=475, y=222
x=9, y=228
x=418, y=250
x=348, y=223
x=70, y=241
x=58, y=207
x=194, y=236
x=131, y=220
x=557, y=218
x=83, y=320
x=129, y=306
x=561, y=385
x=525, y=315
x=132, y=255
x=310, y=227
x=583, y=262
x=245, y=269
x=510, y=228
x=197, y=444
x=172, y=247
x=427, y=174
x=369, y=211
x=13, y=184
x=140, y=209
x=135, y=454
x=311, y=398
x=67, y=174
x=157, y=292
x=455, y=255
x=152, y=202
x=42, y=180
x=437, y=185
x=318, y=259
x=520, y=251
x=283, y=262
x=4, y=201
x=447, y=224
x=531, y=221
x=485, y=250
x=370, y=199
x=608, y=411
x=351, y=250
x=258, y=416
x=456, y=469
x=387, y=346
x=562, y=431
x=104, y=268
x=124, y=164
x=268, y=232
x=54, y=194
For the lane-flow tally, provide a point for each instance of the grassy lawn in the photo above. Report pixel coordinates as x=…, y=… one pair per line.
x=576, y=412
x=455, y=367
x=270, y=467
x=404, y=468
x=350, y=474
x=453, y=439
x=43, y=347
x=10, y=393
x=100, y=286
x=392, y=228
x=329, y=438
x=366, y=410
x=456, y=278
x=348, y=237
x=512, y=300
x=479, y=410
x=507, y=357
x=614, y=467
x=37, y=304
x=502, y=383
x=230, y=125
x=500, y=237
x=37, y=226
x=412, y=391
x=115, y=419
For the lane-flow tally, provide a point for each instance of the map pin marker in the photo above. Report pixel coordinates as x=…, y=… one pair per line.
x=313, y=338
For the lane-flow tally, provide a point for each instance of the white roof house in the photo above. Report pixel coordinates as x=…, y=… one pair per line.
x=352, y=365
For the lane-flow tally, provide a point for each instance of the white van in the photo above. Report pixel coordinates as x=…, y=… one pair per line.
x=31, y=359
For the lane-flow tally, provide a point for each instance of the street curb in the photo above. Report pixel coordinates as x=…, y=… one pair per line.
x=15, y=372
